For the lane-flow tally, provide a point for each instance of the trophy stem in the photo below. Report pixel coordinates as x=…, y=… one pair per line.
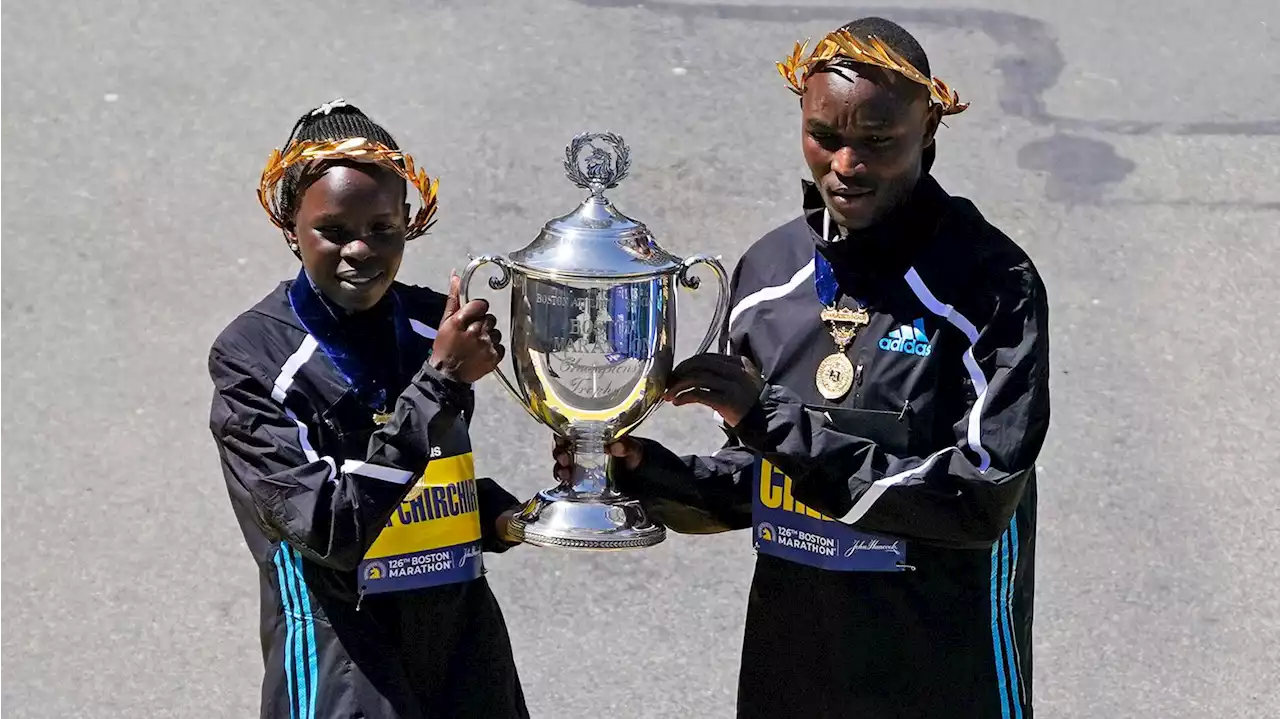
x=591, y=476
x=587, y=512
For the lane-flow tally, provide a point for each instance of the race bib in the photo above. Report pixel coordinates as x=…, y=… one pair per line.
x=433, y=537
x=789, y=530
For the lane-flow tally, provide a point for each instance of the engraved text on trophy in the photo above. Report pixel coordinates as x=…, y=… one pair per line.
x=596, y=342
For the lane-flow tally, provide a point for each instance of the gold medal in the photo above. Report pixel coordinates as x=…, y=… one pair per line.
x=845, y=316
x=835, y=372
x=835, y=376
x=381, y=418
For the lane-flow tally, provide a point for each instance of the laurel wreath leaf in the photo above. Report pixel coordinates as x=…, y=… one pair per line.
x=620, y=160
x=356, y=149
x=796, y=68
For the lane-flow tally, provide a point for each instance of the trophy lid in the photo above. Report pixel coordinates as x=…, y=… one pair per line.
x=595, y=241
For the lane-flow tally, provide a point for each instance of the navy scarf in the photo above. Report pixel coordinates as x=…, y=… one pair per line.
x=369, y=348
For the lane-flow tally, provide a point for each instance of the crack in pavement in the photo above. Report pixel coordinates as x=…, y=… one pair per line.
x=1027, y=74
x=1030, y=71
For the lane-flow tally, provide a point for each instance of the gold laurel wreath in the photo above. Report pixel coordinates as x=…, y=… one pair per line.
x=797, y=68
x=357, y=149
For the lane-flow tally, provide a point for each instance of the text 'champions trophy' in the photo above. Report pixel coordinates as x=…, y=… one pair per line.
x=592, y=339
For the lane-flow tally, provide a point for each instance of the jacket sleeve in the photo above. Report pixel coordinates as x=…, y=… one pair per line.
x=331, y=509
x=698, y=494
x=963, y=494
x=693, y=494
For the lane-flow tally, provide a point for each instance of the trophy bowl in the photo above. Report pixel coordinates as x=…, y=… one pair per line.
x=592, y=342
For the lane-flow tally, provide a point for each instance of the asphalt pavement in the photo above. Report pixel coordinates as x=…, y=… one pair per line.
x=1132, y=148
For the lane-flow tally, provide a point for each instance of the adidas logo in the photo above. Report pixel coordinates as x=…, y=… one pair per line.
x=908, y=339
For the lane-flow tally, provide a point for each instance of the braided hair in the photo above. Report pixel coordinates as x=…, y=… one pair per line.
x=335, y=120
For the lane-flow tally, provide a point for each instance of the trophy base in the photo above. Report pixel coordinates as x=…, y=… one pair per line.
x=556, y=518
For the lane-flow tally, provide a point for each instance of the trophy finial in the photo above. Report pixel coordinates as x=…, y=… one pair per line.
x=604, y=167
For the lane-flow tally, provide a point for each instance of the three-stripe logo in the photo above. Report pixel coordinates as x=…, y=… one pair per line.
x=908, y=339
x=300, y=652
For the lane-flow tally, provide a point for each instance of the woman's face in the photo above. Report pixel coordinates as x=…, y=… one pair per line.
x=349, y=228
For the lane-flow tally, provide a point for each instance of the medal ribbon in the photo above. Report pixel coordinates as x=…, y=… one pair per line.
x=824, y=280
x=824, y=277
x=825, y=283
x=318, y=320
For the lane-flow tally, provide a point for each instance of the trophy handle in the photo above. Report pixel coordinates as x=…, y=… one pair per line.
x=722, y=307
x=722, y=301
x=495, y=283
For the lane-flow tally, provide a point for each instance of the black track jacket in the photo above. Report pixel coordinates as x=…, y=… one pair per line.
x=337, y=511
x=923, y=475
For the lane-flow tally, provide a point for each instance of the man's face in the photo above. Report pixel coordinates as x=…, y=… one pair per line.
x=350, y=228
x=864, y=130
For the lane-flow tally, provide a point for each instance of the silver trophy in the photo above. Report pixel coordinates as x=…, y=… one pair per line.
x=592, y=340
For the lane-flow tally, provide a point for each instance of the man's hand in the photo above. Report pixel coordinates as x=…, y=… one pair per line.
x=468, y=345
x=671, y=513
x=727, y=384
x=628, y=450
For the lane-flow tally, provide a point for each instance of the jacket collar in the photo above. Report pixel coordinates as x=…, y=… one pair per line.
x=371, y=349
x=278, y=305
x=325, y=319
x=870, y=257
x=903, y=229
x=366, y=348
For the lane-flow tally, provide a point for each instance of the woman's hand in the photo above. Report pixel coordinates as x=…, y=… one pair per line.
x=468, y=345
x=502, y=525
